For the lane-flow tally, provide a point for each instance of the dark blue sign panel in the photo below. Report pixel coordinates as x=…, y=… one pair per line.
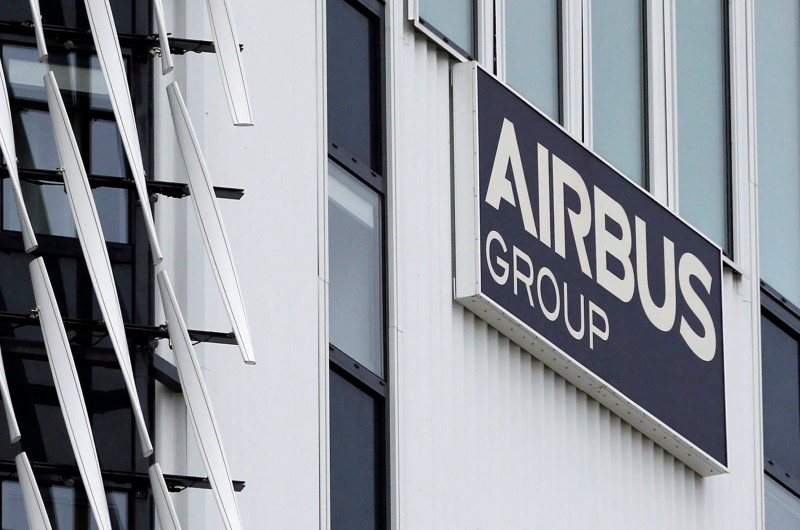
x=577, y=253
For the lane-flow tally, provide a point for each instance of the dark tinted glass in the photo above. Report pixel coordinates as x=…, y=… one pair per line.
x=357, y=481
x=781, y=389
x=72, y=13
x=68, y=508
x=86, y=98
x=354, y=82
x=44, y=434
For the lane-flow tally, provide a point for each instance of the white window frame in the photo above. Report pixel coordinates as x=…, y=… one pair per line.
x=483, y=38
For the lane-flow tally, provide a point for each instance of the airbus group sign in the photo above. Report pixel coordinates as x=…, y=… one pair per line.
x=587, y=271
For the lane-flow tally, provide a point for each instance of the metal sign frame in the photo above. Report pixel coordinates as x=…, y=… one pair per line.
x=468, y=289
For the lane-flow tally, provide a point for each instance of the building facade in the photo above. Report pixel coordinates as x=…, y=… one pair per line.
x=377, y=400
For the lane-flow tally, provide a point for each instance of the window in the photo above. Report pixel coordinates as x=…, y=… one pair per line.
x=778, y=105
x=356, y=202
x=619, y=109
x=532, y=58
x=703, y=129
x=452, y=22
x=44, y=436
x=84, y=91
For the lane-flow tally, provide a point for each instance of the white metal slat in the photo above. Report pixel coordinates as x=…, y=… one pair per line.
x=198, y=405
x=93, y=245
x=9, y=151
x=165, y=510
x=212, y=226
x=70, y=395
x=106, y=43
x=35, y=511
x=229, y=58
x=37, y=26
x=11, y=417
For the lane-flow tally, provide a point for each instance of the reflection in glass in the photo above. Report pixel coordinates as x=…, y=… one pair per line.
x=532, y=52
x=455, y=19
x=356, y=298
x=67, y=507
x=702, y=117
x=778, y=105
x=618, y=86
x=353, y=81
x=87, y=101
x=356, y=476
x=72, y=13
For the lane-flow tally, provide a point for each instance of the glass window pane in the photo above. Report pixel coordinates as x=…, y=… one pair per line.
x=355, y=243
x=781, y=390
x=356, y=457
x=67, y=508
x=354, y=83
x=71, y=13
x=86, y=97
x=532, y=51
x=702, y=117
x=782, y=509
x=618, y=86
x=778, y=105
x=455, y=19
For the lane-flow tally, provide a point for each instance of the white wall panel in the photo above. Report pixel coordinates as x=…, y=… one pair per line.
x=488, y=436
x=269, y=413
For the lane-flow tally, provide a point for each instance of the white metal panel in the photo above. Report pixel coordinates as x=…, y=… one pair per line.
x=93, y=245
x=70, y=395
x=490, y=437
x=198, y=405
x=9, y=152
x=229, y=58
x=165, y=510
x=11, y=418
x=163, y=38
x=31, y=496
x=37, y=26
x=211, y=223
x=104, y=33
x=274, y=232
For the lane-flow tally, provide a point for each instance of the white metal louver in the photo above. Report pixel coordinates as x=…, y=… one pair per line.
x=211, y=224
x=31, y=496
x=106, y=43
x=13, y=427
x=37, y=26
x=90, y=234
x=198, y=404
x=9, y=151
x=163, y=38
x=70, y=395
x=165, y=510
x=229, y=59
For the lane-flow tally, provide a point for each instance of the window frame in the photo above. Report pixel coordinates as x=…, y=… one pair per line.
x=501, y=54
x=352, y=371
x=786, y=316
x=442, y=40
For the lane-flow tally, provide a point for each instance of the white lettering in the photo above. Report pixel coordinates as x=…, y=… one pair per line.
x=544, y=194
x=500, y=187
x=581, y=221
x=606, y=243
x=594, y=331
x=551, y=315
x=704, y=346
x=576, y=333
x=502, y=278
x=518, y=276
x=663, y=318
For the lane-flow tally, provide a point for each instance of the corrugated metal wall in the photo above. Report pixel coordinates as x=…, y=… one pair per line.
x=488, y=437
